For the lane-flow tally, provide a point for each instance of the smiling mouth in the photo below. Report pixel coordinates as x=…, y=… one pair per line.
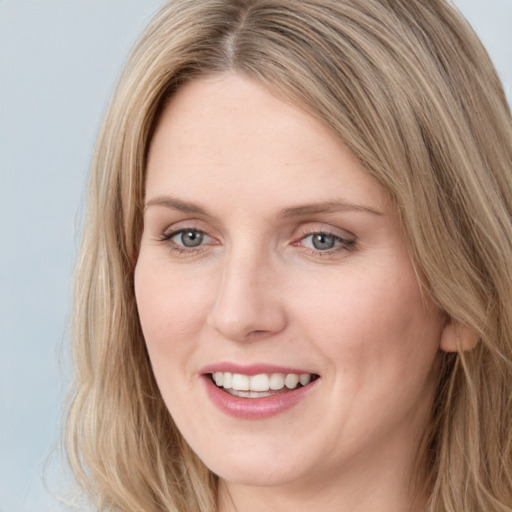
x=261, y=385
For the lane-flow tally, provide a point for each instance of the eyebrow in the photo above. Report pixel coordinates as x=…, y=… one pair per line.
x=326, y=207
x=294, y=211
x=176, y=204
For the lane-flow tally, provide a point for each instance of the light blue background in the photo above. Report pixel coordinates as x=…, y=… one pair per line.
x=58, y=63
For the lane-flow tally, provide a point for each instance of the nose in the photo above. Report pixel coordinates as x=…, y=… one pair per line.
x=247, y=303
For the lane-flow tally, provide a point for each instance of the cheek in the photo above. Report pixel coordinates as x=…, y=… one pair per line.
x=172, y=310
x=380, y=339
x=374, y=324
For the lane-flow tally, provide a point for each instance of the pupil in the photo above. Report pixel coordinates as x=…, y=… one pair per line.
x=191, y=238
x=323, y=242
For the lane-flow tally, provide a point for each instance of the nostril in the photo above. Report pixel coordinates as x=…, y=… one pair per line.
x=257, y=333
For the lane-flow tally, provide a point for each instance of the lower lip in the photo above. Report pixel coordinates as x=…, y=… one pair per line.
x=255, y=408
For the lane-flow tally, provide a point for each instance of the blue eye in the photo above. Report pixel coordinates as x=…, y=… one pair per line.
x=189, y=238
x=326, y=242
x=323, y=241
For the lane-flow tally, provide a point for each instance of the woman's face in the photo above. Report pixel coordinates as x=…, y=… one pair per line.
x=270, y=256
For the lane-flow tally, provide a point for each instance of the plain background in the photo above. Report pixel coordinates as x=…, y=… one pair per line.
x=59, y=60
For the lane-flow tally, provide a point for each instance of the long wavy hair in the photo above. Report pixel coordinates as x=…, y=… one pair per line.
x=408, y=87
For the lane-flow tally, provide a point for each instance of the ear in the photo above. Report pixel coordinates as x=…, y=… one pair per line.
x=457, y=337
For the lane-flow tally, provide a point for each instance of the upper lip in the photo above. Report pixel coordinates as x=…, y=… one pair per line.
x=252, y=369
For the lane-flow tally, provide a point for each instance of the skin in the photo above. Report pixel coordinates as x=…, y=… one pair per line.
x=257, y=290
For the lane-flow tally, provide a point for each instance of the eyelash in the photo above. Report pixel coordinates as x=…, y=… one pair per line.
x=181, y=249
x=342, y=244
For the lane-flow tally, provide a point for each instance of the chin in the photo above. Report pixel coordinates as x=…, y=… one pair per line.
x=269, y=472
x=258, y=477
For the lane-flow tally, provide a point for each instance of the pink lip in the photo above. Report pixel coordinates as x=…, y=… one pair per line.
x=252, y=369
x=253, y=408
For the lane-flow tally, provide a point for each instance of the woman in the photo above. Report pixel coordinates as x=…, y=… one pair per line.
x=295, y=283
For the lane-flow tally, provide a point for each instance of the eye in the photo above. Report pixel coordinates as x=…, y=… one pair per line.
x=324, y=242
x=189, y=238
x=186, y=239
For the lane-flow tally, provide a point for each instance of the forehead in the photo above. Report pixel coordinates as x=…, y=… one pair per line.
x=228, y=137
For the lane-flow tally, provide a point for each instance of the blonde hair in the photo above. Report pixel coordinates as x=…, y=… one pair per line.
x=408, y=87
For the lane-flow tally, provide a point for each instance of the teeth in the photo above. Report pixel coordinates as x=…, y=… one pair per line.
x=228, y=380
x=260, y=383
x=304, y=379
x=291, y=381
x=241, y=382
x=219, y=378
x=277, y=381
